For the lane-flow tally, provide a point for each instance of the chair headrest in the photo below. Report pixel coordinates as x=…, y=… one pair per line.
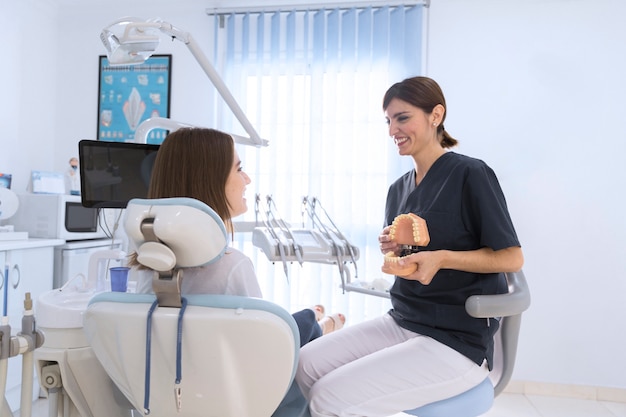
x=175, y=232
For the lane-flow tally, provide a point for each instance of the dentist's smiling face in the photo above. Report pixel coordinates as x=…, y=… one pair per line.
x=236, y=188
x=410, y=127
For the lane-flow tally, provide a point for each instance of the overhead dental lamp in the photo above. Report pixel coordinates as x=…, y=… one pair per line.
x=130, y=41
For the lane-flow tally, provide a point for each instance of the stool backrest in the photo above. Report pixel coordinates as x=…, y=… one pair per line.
x=509, y=307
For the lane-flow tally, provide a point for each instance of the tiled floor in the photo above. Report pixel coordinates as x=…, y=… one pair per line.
x=517, y=405
x=506, y=405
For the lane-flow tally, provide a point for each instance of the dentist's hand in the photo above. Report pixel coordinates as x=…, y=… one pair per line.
x=386, y=244
x=428, y=264
x=391, y=250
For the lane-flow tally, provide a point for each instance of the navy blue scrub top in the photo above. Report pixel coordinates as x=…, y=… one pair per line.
x=464, y=207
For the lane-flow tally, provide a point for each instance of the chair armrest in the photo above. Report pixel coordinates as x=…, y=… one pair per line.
x=516, y=301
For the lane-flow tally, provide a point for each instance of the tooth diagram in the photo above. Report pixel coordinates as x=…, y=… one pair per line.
x=134, y=108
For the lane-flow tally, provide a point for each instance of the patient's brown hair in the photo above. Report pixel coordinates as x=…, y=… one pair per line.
x=195, y=162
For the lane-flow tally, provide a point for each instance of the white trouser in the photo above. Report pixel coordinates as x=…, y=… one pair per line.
x=377, y=368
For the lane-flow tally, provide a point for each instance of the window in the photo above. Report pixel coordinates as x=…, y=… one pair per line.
x=312, y=82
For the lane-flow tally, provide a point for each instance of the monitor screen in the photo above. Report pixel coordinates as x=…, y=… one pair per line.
x=79, y=218
x=112, y=173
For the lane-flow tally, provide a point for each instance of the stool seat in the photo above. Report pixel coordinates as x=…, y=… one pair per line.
x=471, y=403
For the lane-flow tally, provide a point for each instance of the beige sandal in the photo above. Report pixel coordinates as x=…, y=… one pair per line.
x=331, y=323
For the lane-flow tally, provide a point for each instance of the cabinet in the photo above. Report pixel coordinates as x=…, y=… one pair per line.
x=30, y=265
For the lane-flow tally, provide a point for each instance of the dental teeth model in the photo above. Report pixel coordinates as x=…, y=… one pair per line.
x=406, y=230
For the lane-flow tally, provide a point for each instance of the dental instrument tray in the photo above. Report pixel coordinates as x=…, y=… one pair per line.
x=318, y=240
x=321, y=242
x=301, y=245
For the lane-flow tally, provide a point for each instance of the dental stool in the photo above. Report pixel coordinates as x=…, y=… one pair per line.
x=191, y=355
x=509, y=307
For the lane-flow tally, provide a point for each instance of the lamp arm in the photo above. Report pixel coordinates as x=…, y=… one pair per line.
x=208, y=68
x=249, y=141
x=138, y=33
x=141, y=133
x=224, y=92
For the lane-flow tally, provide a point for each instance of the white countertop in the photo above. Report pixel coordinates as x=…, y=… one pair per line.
x=29, y=243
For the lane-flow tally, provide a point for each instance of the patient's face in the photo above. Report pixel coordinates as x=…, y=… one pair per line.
x=236, y=188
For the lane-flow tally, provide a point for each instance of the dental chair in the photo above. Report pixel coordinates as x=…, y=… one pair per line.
x=509, y=307
x=190, y=355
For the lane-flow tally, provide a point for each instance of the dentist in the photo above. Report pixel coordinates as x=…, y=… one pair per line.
x=426, y=348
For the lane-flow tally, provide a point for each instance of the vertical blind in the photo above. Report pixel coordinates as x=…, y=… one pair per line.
x=312, y=82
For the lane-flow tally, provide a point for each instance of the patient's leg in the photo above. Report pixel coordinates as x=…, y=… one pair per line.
x=308, y=325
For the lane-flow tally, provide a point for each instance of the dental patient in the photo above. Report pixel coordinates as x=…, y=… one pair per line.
x=203, y=164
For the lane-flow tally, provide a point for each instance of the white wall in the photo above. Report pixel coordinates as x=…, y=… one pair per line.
x=29, y=101
x=50, y=74
x=535, y=88
x=191, y=93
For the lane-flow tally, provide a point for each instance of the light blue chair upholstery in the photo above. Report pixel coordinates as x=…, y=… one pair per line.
x=509, y=307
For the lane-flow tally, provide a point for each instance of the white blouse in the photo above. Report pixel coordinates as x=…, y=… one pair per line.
x=232, y=274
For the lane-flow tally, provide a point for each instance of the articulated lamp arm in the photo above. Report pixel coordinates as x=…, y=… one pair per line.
x=138, y=44
x=141, y=133
x=210, y=71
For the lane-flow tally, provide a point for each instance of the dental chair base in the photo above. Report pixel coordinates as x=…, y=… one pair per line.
x=76, y=385
x=69, y=374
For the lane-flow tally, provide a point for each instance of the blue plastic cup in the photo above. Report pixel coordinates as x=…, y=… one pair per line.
x=119, y=278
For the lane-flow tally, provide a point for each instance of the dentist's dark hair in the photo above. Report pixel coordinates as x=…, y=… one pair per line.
x=424, y=93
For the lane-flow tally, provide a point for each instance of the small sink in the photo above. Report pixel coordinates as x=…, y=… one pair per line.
x=59, y=309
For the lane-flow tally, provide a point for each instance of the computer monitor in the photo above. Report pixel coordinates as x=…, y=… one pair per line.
x=112, y=173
